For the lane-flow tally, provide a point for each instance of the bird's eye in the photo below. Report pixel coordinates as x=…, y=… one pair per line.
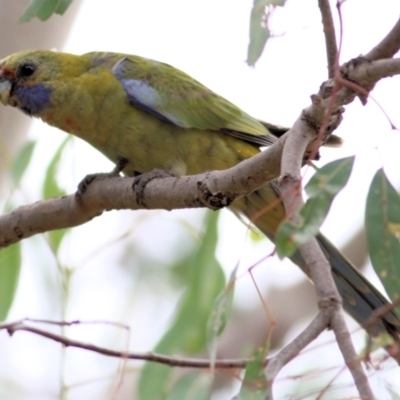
x=26, y=70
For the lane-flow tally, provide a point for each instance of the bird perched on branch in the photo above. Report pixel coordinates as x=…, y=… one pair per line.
x=146, y=115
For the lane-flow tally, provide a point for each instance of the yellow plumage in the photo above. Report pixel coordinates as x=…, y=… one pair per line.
x=155, y=116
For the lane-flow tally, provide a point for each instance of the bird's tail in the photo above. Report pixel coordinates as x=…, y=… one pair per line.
x=360, y=297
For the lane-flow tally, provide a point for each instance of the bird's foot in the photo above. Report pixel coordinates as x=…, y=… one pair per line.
x=142, y=180
x=88, y=179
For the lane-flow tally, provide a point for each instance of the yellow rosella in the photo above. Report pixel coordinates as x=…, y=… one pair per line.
x=152, y=115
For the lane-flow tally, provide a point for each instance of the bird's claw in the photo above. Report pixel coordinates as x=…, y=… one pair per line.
x=88, y=179
x=140, y=182
x=85, y=182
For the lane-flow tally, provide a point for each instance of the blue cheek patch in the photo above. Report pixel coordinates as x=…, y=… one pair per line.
x=33, y=99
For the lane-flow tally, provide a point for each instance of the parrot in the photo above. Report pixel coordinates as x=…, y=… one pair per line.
x=146, y=115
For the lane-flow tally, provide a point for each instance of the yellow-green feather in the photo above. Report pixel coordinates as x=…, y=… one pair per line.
x=90, y=101
x=188, y=100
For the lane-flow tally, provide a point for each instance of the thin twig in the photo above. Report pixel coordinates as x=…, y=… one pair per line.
x=388, y=46
x=350, y=356
x=330, y=36
x=172, y=361
x=292, y=349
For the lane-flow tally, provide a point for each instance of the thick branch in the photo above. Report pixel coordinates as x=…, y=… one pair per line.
x=212, y=189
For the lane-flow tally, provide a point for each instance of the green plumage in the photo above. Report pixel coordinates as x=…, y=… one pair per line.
x=156, y=116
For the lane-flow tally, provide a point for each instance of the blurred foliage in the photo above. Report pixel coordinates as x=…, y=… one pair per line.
x=192, y=386
x=51, y=188
x=44, y=9
x=255, y=384
x=10, y=257
x=322, y=188
x=382, y=225
x=259, y=29
x=10, y=265
x=188, y=332
x=219, y=316
x=21, y=162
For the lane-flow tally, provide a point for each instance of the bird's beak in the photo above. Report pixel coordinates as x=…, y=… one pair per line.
x=5, y=88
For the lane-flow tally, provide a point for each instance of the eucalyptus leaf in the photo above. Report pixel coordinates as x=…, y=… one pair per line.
x=322, y=188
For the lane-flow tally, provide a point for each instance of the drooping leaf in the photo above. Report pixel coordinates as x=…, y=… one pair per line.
x=382, y=221
x=219, y=316
x=10, y=265
x=259, y=30
x=44, y=9
x=326, y=183
x=188, y=332
x=193, y=386
x=51, y=188
x=21, y=162
x=255, y=384
x=50, y=185
x=256, y=236
x=62, y=6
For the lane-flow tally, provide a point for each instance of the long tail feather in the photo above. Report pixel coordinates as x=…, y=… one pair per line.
x=360, y=298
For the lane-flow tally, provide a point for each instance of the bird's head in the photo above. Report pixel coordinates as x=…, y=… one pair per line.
x=28, y=78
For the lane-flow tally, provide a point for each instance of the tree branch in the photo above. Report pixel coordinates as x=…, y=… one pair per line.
x=214, y=189
x=388, y=46
x=172, y=361
x=330, y=301
x=292, y=349
x=330, y=36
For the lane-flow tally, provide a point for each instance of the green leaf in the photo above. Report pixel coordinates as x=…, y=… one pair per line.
x=62, y=6
x=256, y=236
x=326, y=183
x=219, y=316
x=44, y=9
x=31, y=10
x=194, y=386
x=41, y=9
x=52, y=189
x=188, y=332
x=55, y=238
x=21, y=162
x=50, y=186
x=382, y=222
x=255, y=384
x=259, y=31
x=10, y=265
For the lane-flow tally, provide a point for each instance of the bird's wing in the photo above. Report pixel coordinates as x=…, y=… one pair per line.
x=173, y=96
